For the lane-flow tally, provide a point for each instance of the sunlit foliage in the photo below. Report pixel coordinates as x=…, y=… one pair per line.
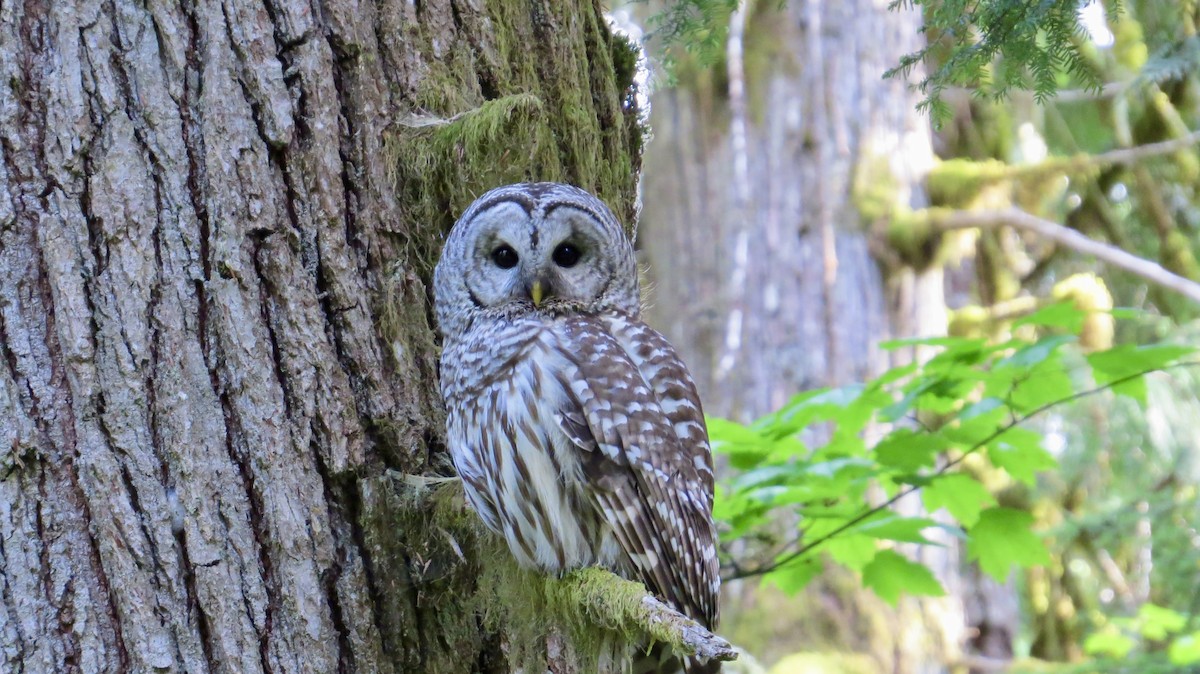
x=840, y=463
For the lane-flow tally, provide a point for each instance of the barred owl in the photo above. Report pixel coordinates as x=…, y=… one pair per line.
x=575, y=428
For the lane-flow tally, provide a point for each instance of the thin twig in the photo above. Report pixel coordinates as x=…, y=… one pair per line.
x=1151, y=271
x=1083, y=161
x=804, y=548
x=1128, y=155
x=414, y=120
x=1108, y=90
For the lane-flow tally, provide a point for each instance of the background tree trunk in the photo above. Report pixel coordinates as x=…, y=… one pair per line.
x=777, y=154
x=816, y=113
x=216, y=219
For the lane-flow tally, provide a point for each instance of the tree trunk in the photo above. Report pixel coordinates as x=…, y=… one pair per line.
x=778, y=154
x=216, y=223
x=818, y=117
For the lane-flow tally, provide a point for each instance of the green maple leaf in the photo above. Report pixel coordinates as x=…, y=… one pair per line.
x=891, y=573
x=960, y=494
x=1003, y=537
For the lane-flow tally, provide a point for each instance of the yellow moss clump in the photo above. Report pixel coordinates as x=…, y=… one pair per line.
x=875, y=190
x=991, y=183
x=592, y=609
x=993, y=321
x=1129, y=44
x=969, y=321
x=958, y=183
x=876, y=197
x=1090, y=294
x=911, y=236
x=1177, y=255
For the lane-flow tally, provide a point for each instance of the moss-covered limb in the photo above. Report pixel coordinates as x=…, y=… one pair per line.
x=959, y=182
x=471, y=589
x=973, y=320
x=1084, y=161
x=624, y=606
x=992, y=186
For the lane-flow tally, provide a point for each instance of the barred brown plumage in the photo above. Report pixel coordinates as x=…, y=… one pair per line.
x=575, y=427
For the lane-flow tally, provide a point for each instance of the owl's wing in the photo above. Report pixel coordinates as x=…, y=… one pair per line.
x=645, y=454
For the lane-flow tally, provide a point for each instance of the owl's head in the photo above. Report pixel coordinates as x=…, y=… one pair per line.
x=534, y=247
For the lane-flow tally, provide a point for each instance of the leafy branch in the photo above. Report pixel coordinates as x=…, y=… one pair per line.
x=974, y=394
x=803, y=548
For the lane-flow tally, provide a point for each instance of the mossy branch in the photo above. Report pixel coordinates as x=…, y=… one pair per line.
x=958, y=187
x=1087, y=291
x=624, y=606
x=958, y=182
x=592, y=606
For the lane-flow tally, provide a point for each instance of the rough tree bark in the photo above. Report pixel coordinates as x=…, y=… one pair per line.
x=216, y=219
x=777, y=154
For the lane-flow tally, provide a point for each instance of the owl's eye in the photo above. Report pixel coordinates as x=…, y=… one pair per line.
x=505, y=257
x=566, y=255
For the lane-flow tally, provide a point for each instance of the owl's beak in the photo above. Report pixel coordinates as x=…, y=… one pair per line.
x=537, y=292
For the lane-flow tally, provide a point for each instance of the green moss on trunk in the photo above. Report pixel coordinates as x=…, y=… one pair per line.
x=552, y=99
x=468, y=586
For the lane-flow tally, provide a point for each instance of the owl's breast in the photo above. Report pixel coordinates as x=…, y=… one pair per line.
x=520, y=471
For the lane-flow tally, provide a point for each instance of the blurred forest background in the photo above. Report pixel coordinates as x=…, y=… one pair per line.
x=800, y=209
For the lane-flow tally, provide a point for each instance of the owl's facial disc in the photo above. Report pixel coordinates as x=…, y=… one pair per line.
x=549, y=260
x=533, y=248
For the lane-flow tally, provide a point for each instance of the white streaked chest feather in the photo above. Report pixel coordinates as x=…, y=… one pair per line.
x=520, y=471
